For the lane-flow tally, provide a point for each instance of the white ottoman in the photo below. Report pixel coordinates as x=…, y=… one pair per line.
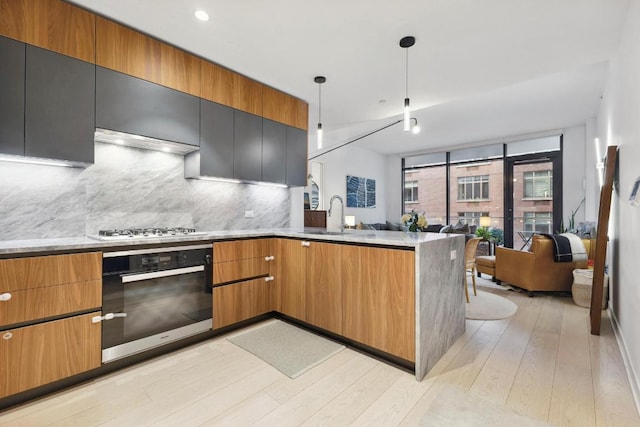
x=581, y=288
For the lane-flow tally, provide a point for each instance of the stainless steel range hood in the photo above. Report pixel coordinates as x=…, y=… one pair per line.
x=144, y=142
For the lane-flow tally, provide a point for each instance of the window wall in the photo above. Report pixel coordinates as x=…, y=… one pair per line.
x=468, y=184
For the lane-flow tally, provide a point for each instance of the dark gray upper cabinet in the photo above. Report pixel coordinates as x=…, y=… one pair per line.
x=215, y=157
x=131, y=105
x=59, y=106
x=247, y=157
x=296, y=157
x=12, y=71
x=274, y=151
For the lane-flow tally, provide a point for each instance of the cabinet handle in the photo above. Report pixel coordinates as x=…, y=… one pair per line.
x=5, y=297
x=7, y=335
x=269, y=278
x=108, y=316
x=269, y=258
x=306, y=244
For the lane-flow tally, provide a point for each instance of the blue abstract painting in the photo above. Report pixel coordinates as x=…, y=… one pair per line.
x=361, y=192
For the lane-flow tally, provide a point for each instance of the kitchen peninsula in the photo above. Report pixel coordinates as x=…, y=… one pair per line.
x=397, y=294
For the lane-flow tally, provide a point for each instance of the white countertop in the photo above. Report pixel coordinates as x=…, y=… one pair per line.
x=367, y=237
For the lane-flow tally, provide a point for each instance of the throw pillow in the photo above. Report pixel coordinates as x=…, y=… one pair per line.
x=446, y=229
x=393, y=226
x=460, y=228
x=433, y=228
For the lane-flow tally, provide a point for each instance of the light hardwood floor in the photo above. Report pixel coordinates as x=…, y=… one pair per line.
x=539, y=367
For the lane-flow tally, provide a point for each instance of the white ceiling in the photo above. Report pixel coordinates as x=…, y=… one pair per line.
x=480, y=69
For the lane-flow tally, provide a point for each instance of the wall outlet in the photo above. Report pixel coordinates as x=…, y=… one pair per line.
x=248, y=214
x=453, y=255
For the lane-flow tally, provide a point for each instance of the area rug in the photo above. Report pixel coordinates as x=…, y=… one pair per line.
x=489, y=306
x=290, y=350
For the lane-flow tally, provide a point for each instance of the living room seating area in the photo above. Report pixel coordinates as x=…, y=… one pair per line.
x=536, y=270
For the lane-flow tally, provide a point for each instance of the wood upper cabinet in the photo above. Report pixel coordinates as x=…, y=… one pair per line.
x=379, y=298
x=283, y=108
x=40, y=354
x=42, y=287
x=122, y=49
x=50, y=24
x=231, y=89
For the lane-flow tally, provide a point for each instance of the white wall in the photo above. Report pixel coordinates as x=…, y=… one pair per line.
x=394, y=188
x=619, y=124
x=573, y=172
x=355, y=161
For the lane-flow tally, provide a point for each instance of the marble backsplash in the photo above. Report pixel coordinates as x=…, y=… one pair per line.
x=127, y=188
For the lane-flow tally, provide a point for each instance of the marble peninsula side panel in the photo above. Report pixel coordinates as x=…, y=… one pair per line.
x=440, y=306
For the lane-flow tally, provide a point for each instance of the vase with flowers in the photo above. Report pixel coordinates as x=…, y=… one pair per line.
x=414, y=221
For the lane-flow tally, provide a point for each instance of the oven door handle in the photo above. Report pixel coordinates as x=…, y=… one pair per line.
x=164, y=273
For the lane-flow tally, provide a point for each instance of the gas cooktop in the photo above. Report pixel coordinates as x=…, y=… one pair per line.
x=145, y=233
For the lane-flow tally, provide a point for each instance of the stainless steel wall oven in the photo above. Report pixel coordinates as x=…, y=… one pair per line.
x=152, y=297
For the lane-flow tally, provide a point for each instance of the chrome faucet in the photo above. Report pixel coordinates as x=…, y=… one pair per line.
x=341, y=209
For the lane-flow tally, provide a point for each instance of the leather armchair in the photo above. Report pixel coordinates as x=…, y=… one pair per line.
x=535, y=270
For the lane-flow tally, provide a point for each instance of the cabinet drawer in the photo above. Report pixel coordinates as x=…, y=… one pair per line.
x=224, y=272
x=241, y=249
x=240, y=301
x=40, y=303
x=36, y=355
x=38, y=272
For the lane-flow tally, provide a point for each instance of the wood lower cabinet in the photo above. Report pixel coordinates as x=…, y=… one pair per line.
x=43, y=271
x=289, y=278
x=309, y=282
x=241, y=301
x=323, y=285
x=40, y=354
x=242, y=281
x=379, y=298
x=40, y=303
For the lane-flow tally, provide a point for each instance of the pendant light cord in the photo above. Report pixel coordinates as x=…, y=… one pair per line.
x=320, y=103
x=407, y=75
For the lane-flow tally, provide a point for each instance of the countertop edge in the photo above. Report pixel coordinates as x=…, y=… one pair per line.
x=10, y=248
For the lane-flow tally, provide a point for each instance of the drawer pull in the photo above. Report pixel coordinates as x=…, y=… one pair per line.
x=269, y=258
x=268, y=279
x=306, y=244
x=7, y=335
x=108, y=316
x=5, y=297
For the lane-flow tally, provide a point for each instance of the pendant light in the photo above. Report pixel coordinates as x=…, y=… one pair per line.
x=406, y=43
x=319, y=80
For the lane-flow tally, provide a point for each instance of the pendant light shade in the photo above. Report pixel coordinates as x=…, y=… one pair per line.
x=319, y=80
x=406, y=43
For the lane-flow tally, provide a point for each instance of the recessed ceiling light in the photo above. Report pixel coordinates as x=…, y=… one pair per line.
x=201, y=15
x=166, y=149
